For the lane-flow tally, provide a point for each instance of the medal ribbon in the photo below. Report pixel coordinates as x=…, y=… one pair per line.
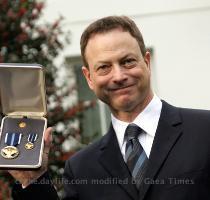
x=13, y=139
x=32, y=137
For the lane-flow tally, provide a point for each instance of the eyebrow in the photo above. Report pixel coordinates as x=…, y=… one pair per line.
x=100, y=62
x=126, y=56
x=107, y=62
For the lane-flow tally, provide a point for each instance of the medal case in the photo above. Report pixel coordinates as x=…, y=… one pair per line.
x=23, y=102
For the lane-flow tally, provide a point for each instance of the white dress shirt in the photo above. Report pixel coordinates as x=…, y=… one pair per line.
x=147, y=120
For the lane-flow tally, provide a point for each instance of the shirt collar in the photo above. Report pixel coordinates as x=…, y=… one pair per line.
x=146, y=120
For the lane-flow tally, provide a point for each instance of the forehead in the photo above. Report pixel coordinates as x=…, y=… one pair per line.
x=111, y=41
x=109, y=34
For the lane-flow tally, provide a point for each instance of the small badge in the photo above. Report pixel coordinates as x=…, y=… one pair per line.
x=12, y=140
x=31, y=139
x=22, y=124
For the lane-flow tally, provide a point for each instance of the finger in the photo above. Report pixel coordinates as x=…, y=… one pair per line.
x=48, y=136
x=47, y=139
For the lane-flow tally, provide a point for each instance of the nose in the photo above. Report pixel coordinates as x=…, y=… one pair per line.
x=119, y=75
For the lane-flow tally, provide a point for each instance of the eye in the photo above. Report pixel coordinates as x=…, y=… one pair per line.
x=129, y=62
x=103, y=69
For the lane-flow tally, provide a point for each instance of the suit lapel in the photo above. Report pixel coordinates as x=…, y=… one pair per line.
x=111, y=159
x=168, y=132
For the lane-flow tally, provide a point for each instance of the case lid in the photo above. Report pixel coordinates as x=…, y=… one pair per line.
x=22, y=89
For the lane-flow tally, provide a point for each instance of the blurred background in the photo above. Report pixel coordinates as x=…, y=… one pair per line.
x=48, y=32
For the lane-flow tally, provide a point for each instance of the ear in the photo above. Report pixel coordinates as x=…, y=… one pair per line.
x=86, y=73
x=147, y=58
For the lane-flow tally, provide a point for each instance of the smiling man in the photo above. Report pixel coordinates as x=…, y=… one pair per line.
x=152, y=151
x=118, y=73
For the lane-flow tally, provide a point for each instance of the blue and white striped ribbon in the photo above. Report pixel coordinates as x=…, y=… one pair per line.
x=13, y=139
x=32, y=137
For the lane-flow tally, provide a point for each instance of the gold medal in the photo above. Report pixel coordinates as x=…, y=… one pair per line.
x=29, y=146
x=22, y=124
x=10, y=152
x=12, y=140
x=31, y=139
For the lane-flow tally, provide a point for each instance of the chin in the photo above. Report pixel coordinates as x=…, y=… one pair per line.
x=125, y=106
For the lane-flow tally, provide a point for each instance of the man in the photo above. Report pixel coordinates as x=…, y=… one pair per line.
x=152, y=149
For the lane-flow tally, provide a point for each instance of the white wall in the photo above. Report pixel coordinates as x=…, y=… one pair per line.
x=178, y=31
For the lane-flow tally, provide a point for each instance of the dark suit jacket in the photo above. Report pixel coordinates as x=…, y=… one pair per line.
x=179, y=165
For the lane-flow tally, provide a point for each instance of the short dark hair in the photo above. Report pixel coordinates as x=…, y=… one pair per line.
x=107, y=24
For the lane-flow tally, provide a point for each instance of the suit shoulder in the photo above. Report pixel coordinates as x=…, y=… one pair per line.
x=87, y=152
x=193, y=116
x=196, y=117
x=195, y=112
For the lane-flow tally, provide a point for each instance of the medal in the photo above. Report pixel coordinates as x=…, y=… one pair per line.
x=22, y=124
x=12, y=140
x=31, y=139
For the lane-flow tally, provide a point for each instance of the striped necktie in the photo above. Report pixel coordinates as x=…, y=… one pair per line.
x=135, y=156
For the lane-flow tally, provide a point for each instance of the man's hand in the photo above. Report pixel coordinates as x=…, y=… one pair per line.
x=25, y=177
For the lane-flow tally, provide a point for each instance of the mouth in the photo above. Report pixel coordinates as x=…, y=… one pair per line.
x=124, y=88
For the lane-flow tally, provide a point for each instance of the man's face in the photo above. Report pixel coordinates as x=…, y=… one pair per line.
x=118, y=73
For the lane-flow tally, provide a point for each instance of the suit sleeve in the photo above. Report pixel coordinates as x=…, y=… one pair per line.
x=42, y=188
x=69, y=184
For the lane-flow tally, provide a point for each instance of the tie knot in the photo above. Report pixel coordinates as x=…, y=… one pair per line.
x=132, y=131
